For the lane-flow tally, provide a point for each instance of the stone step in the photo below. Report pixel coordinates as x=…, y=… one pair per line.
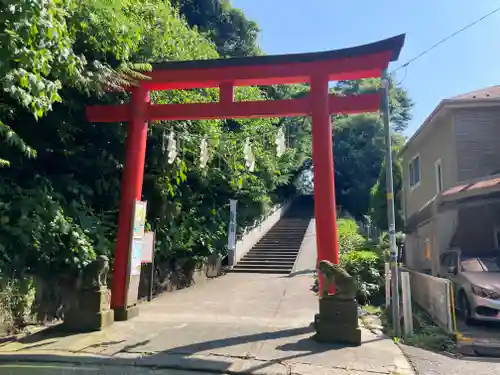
x=277, y=245
x=288, y=228
x=279, y=239
x=282, y=236
x=272, y=249
x=282, y=262
x=275, y=248
x=273, y=253
x=264, y=265
x=278, y=249
x=260, y=270
x=282, y=242
x=270, y=257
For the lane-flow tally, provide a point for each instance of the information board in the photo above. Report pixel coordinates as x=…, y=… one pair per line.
x=135, y=256
x=148, y=247
x=139, y=219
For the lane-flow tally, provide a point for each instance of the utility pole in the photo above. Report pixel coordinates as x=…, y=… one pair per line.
x=386, y=83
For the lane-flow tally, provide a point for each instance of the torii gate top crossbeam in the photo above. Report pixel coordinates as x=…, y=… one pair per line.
x=344, y=64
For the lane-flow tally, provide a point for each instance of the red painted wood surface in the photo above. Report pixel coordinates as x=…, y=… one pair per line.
x=205, y=111
x=133, y=174
x=343, y=69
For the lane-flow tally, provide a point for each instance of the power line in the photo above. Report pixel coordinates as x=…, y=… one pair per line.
x=446, y=39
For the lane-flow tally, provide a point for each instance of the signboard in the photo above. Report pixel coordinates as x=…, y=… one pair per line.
x=136, y=256
x=135, y=251
x=139, y=219
x=231, y=233
x=148, y=247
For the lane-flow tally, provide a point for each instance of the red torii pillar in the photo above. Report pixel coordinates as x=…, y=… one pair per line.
x=315, y=68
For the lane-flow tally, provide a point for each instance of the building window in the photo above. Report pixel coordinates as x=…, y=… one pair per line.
x=497, y=238
x=414, y=171
x=439, y=175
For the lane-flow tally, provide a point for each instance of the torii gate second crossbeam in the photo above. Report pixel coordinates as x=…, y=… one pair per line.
x=317, y=69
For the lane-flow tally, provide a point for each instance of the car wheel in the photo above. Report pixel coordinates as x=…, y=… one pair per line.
x=465, y=307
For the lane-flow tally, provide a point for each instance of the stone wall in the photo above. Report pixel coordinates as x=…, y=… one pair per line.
x=433, y=294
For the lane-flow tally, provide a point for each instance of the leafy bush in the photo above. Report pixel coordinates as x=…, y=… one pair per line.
x=426, y=334
x=364, y=265
x=16, y=302
x=349, y=237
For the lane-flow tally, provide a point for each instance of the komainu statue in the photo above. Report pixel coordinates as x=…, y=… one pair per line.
x=95, y=274
x=345, y=284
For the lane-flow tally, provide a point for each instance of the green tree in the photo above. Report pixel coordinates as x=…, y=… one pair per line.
x=358, y=145
x=378, y=204
x=233, y=34
x=60, y=208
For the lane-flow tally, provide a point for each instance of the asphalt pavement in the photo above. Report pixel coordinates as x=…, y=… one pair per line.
x=425, y=362
x=73, y=369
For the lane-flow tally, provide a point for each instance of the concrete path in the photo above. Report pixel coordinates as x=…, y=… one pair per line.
x=239, y=323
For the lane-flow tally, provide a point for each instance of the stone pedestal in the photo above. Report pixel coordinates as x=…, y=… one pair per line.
x=90, y=312
x=126, y=313
x=337, y=321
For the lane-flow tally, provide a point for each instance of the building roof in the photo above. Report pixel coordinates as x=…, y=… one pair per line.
x=471, y=191
x=488, y=92
x=478, y=97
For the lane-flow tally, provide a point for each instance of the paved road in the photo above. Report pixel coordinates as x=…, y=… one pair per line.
x=235, y=323
x=68, y=369
x=429, y=363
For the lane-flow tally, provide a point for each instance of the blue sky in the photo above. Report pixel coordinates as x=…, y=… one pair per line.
x=467, y=62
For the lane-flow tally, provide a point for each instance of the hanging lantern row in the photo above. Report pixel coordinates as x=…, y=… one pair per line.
x=204, y=152
x=248, y=154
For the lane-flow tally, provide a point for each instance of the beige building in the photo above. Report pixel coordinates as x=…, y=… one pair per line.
x=450, y=184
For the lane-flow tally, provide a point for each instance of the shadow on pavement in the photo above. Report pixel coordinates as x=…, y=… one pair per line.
x=298, y=273
x=189, y=357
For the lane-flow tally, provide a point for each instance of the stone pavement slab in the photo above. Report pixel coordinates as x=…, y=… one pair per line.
x=71, y=369
x=238, y=323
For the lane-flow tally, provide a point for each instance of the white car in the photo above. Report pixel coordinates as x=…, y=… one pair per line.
x=476, y=282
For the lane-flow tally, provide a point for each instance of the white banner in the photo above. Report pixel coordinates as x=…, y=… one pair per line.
x=231, y=234
x=387, y=275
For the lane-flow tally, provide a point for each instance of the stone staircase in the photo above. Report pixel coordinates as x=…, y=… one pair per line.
x=278, y=249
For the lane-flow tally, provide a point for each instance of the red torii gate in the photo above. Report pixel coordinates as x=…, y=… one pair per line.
x=317, y=69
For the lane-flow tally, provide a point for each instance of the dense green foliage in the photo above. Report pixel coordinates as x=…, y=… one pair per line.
x=366, y=266
x=59, y=197
x=348, y=234
x=365, y=263
x=359, y=146
x=233, y=34
x=378, y=204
